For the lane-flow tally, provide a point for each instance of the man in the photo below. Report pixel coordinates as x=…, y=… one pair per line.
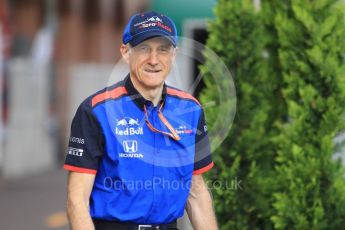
x=138, y=149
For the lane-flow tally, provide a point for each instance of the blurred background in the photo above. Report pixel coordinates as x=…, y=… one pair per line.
x=52, y=55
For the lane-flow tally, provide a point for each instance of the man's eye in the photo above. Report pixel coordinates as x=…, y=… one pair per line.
x=164, y=49
x=144, y=48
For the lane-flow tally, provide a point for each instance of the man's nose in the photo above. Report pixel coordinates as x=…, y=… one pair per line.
x=153, y=58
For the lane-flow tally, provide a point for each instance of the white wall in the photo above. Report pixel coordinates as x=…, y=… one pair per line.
x=2, y=60
x=84, y=80
x=28, y=145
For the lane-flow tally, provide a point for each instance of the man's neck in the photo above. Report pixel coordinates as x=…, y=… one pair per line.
x=152, y=94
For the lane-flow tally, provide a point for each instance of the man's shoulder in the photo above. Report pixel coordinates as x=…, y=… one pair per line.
x=110, y=92
x=180, y=94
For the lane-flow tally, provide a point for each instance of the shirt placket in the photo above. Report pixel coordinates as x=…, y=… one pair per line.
x=157, y=180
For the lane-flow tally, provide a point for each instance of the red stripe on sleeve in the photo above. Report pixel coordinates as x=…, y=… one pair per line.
x=181, y=94
x=78, y=169
x=204, y=169
x=117, y=92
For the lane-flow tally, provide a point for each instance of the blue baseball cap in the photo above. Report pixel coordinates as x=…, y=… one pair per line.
x=147, y=25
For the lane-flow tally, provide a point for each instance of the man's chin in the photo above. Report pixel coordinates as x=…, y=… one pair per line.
x=155, y=85
x=153, y=81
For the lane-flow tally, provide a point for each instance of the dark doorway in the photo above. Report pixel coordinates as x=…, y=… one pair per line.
x=200, y=35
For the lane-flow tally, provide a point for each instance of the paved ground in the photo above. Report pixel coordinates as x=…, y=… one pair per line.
x=34, y=203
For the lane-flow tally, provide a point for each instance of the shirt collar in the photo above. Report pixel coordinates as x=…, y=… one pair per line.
x=138, y=99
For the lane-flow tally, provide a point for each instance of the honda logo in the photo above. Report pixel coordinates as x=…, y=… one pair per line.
x=130, y=146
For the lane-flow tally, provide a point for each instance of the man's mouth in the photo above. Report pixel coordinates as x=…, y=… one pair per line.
x=152, y=70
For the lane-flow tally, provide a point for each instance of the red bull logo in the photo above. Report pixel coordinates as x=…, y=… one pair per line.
x=129, y=131
x=127, y=121
x=128, y=126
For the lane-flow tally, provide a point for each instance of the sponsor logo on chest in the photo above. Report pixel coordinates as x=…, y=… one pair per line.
x=128, y=126
x=130, y=148
x=182, y=129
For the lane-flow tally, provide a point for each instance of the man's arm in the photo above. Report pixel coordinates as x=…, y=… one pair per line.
x=199, y=206
x=78, y=193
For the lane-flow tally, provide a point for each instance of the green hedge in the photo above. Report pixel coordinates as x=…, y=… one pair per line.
x=287, y=60
x=311, y=39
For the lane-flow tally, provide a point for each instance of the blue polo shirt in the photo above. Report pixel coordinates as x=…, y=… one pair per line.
x=142, y=176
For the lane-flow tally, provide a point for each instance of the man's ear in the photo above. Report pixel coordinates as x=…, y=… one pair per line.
x=176, y=51
x=124, y=50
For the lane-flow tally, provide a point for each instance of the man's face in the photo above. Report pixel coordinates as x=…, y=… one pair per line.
x=150, y=61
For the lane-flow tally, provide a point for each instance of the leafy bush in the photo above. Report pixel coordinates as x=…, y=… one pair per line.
x=288, y=66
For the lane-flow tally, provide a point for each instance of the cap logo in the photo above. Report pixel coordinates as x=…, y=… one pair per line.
x=153, y=24
x=154, y=19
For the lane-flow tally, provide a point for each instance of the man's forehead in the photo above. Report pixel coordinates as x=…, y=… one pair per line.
x=157, y=41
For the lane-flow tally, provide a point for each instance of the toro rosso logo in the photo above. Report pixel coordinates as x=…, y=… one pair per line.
x=154, y=19
x=148, y=20
x=153, y=22
x=182, y=129
x=128, y=126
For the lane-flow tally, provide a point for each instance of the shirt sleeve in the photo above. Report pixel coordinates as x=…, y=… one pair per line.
x=85, y=146
x=202, y=160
